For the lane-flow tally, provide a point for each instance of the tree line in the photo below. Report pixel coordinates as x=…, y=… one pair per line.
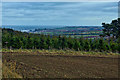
x=22, y=40
x=17, y=40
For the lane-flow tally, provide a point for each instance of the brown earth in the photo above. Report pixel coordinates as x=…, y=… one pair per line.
x=61, y=66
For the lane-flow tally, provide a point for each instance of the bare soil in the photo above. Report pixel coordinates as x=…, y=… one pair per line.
x=61, y=66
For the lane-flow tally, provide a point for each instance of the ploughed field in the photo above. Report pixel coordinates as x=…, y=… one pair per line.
x=40, y=65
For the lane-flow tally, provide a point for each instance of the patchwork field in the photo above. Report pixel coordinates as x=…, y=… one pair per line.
x=45, y=65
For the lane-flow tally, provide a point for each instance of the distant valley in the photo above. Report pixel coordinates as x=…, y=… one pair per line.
x=73, y=31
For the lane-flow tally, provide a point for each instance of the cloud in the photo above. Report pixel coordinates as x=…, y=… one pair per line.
x=49, y=13
x=60, y=0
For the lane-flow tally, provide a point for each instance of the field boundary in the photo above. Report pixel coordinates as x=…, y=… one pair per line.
x=68, y=55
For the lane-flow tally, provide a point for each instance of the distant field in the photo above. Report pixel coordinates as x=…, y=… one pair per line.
x=93, y=34
x=75, y=31
x=42, y=64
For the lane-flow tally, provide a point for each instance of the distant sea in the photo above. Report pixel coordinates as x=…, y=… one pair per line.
x=26, y=28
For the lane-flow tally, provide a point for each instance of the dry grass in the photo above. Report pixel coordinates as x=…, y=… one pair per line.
x=61, y=52
x=66, y=51
x=7, y=73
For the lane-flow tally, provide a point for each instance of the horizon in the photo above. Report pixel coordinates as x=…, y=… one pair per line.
x=50, y=25
x=33, y=27
x=59, y=13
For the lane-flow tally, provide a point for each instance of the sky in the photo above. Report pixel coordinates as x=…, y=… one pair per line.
x=59, y=13
x=60, y=0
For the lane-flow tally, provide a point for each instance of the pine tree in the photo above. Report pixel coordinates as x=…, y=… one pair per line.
x=102, y=45
x=77, y=45
x=87, y=45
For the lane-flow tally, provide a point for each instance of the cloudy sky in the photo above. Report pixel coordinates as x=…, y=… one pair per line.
x=58, y=13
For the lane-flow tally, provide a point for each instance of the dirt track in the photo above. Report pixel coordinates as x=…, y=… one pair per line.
x=62, y=66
